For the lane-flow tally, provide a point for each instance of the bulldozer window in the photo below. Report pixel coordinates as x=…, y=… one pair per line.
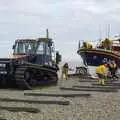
x=48, y=50
x=22, y=47
x=40, y=48
x=53, y=52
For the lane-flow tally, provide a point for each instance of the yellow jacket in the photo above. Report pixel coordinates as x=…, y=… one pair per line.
x=64, y=70
x=87, y=45
x=113, y=65
x=101, y=69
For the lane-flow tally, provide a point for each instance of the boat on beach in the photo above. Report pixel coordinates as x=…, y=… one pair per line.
x=106, y=50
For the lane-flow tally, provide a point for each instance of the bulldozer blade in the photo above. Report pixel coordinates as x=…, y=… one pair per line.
x=59, y=102
x=57, y=94
x=85, y=89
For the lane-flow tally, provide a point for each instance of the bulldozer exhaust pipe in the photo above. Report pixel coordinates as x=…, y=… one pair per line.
x=47, y=33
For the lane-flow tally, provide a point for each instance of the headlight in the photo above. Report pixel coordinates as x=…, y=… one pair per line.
x=2, y=65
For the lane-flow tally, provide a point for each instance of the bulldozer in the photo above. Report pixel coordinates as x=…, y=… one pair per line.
x=34, y=62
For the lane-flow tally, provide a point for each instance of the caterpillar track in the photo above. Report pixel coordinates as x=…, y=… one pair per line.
x=29, y=76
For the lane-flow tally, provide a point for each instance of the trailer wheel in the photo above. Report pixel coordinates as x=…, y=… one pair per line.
x=81, y=71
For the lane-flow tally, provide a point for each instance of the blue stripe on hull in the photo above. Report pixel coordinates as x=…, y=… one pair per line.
x=96, y=59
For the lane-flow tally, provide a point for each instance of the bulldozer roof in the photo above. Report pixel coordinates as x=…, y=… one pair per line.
x=33, y=40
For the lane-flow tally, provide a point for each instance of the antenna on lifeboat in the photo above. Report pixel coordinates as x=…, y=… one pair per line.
x=100, y=33
x=108, y=31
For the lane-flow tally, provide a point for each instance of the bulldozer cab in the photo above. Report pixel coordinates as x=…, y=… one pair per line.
x=39, y=51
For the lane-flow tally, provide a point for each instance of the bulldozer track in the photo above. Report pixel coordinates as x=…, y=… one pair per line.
x=19, y=77
x=21, y=80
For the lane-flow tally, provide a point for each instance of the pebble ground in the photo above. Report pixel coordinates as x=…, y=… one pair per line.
x=99, y=106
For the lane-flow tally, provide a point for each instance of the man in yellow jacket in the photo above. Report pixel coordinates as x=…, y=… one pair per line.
x=65, y=69
x=101, y=71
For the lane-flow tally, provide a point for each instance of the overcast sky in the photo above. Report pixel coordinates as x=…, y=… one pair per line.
x=68, y=22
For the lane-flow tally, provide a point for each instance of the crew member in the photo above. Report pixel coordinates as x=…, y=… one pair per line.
x=113, y=68
x=101, y=71
x=65, y=69
x=107, y=44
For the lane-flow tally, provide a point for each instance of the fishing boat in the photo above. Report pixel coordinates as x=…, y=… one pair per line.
x=105, y=50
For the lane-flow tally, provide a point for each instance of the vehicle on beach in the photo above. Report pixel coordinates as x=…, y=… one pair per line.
x=33, y=62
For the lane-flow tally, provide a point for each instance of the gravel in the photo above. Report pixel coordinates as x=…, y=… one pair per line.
x=100, y=106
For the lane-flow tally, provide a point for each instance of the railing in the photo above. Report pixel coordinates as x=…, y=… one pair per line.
x=102, y=50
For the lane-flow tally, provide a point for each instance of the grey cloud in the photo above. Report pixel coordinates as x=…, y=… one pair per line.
x=68, y=21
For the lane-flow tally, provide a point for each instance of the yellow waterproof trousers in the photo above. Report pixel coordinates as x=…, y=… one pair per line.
x=102, y=79
x=102, y=82
x=65, y=73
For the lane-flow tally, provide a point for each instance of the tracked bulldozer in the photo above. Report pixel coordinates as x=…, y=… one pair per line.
x=34, y=62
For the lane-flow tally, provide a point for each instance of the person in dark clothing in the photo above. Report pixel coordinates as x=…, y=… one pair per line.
x=113, y=68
